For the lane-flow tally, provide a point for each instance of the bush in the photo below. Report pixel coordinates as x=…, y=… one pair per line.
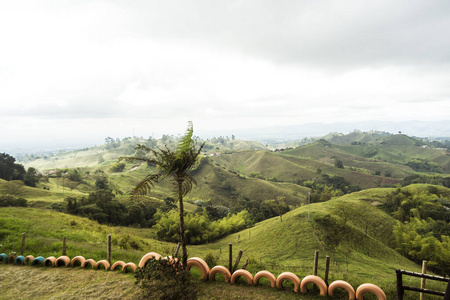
x=165, y=279
x=8, y=200
x=117, y=167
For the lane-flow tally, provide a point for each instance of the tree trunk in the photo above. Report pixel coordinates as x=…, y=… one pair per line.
x=182, y=235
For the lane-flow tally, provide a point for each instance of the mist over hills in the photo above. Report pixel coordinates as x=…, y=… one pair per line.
x=272, y=134
x=268, y=135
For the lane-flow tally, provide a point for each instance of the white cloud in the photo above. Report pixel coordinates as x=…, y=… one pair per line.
x=222, y=64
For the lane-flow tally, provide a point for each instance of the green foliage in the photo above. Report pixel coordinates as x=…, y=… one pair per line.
x=422, y=165
x=198, y=228
x=9, y=170
x=416, y=242
x=31, y=177
x=369, y=151
x=117, y=167
x=101, y=180
x=102, y=207
x=405, y=205
x=256, y=175
x=339, y=164
x=165, y=279
x=74, y=175
x=8, y=200
x=327, y=187
x=446, y=182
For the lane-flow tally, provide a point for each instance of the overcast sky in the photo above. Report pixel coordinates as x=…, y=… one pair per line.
x=84, y=70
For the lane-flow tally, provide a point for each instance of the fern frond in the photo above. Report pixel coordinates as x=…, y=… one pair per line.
x=144, y=187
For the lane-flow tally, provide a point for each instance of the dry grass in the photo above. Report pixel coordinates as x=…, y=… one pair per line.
x=26, y=282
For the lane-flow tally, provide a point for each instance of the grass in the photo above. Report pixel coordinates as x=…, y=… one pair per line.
x=26, y=282
x=272, y=245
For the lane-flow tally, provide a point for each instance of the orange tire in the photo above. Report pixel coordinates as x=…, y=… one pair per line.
x=62, y=261
x=244, y=273
x=200, y=264
x=288, y=276
x=87, y=262
x=81, y=259
x=314, y=280
x=221, y=270
x=117, y=264
x=370, y=288
x=343, y=285
x=50, y=261
x=28, y=258
x=265, y=274
x=170, y=259
x=104, y=263
x=146, y=257
x=129, y=265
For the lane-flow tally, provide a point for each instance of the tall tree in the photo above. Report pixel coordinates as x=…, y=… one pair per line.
x=175, y=165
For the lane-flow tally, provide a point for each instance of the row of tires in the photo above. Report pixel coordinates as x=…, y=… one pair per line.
x=65, y=261
x=206, y=273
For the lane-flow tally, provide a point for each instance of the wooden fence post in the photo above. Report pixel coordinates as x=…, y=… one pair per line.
x=316, y=261
x=109, y=248
x=230, y=258
x=447, y=292
x=327, y=268
x=23, y=244
x=422, y=280
x=237, y=261
x=399, y=285
x=64, y=246
x=175, y=254
x=245, y=264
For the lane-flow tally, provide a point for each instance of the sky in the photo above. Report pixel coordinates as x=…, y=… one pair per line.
x=79, y=71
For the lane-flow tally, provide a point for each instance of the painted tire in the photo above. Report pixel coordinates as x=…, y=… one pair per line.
x=50, y=261
x=104, y=263
x=265, y=274
x=38, y=261
x=314, y=280
x=19, y=260
x=11, y=259
x=288, y=276
x=81, y=259
x=343, y=285
x=370, y=288
x=221, y=270
x=3, y=258
x=200, y=264
x=62, y=261
x=117, y=264
x=87, y=262
x=146, y=257
x=129, y=265
x=28, y=258
x=244, y=273
x=170, y=259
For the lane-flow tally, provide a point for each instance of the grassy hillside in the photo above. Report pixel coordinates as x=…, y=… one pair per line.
x=273, y=245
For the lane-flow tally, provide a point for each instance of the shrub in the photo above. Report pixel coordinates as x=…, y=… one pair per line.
x=165, y=279
x=8, y=200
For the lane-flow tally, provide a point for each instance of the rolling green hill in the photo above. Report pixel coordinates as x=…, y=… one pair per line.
x=273, y=245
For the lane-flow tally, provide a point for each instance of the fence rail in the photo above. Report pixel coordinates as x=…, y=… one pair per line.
x=401, y=288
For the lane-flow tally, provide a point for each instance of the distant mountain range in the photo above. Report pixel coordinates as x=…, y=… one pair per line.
x=430, y=129
x=267, y=135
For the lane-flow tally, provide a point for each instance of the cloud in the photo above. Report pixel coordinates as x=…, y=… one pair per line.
x=321, y=33
x=222, y=64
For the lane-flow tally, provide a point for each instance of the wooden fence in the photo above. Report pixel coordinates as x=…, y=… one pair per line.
x=401, y=288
